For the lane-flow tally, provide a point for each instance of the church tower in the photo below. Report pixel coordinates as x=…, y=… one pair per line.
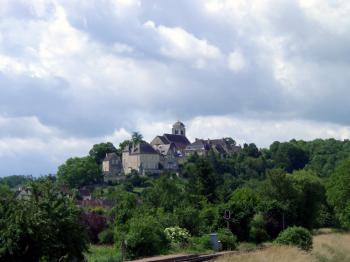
x=179, y=129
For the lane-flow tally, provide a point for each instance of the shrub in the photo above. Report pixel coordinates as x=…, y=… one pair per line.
x=227, y=239
x=177, y=235
x=44, y=226
x=145, y=237
x=296, y=236
x=106, y=236
x=201, y=243
x=257, y=229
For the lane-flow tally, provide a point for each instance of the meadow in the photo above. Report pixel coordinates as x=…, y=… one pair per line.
x=334, y=247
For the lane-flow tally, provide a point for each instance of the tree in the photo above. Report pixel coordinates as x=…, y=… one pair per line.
x=166, y=192
x=338, y=192
x=15, y=180
x=99, y=151
x=299, y=194
x=43, y=227
x=288, y=156
x=78, y=172
x=242, y=205
x=136, y=138
x=202, y=180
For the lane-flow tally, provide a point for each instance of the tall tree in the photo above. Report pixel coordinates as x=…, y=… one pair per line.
x=99, y=151
x=44, y=226
x=338, y=192
x=79, y=171
x=136, y=138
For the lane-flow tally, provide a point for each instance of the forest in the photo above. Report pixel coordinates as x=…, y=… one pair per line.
x=278, y=194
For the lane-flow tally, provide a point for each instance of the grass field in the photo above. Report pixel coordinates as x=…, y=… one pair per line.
x=99, y=253
x=333, y=247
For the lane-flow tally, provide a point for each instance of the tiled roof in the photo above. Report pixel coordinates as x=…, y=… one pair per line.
x=176, y=139
x=110, y=156
x=142, y=148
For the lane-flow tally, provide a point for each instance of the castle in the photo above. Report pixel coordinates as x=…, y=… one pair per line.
x=164, y=153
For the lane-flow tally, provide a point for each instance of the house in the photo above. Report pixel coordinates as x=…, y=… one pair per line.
x=111, y=167
x=199, y=146
x=177, y=137
x=141, y=157
x=168, y=156
x=222, y=147
x=23, y=193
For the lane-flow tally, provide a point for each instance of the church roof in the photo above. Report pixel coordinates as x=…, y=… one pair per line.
x=176, y=139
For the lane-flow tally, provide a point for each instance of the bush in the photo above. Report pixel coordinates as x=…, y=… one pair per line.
x=145, y=237
x=177, y=235
x=201, y=243
x=296, y=236
x=44, y=226
x=106, y=237
x=257, y=229
x=227, y=239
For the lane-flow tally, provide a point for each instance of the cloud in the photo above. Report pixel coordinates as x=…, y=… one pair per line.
x=178, y=44
x=30, y=147
x=73, y=72
x=236, y=61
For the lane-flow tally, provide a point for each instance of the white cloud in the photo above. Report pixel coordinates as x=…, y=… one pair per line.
x=236, y=61
x=24, y=137
x=179, y=44
x=69, y=67
x=263, y=132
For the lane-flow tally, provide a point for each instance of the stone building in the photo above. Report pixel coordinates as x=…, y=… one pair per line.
x=222, y=147
x=178, y=138
x=168, y=156
x=142, y=158
x=111, y=167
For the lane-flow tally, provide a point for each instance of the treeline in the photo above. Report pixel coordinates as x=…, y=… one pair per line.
x=260, y=191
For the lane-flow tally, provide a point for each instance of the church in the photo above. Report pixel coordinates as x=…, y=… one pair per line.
x=165, y=153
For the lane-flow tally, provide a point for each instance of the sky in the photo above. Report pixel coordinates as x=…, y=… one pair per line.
x=75, y=73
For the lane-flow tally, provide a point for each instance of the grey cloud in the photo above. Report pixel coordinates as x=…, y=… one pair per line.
x=157, y=87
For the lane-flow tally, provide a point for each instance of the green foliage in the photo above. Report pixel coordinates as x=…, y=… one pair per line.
x=338, y=192
x=257, y=229
x=288, y=156
x=242, y=205
x=44, y=226
x=300, y=195
x=168, y=192
x=201, y=243
x=177, y=235
x=78, y=172
x=296, y=236
x=202, y=179
x=106, y=237
x=227, y=239
x=188, y=217
x=144, y=237
x=124, y=205
x=103, y=254
x=15, y=181
x=99, y=151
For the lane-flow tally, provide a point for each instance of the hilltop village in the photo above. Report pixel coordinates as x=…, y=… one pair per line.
x=164, y=153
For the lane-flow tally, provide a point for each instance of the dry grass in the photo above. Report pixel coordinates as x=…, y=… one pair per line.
x=333, y=247
x=270, y=254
